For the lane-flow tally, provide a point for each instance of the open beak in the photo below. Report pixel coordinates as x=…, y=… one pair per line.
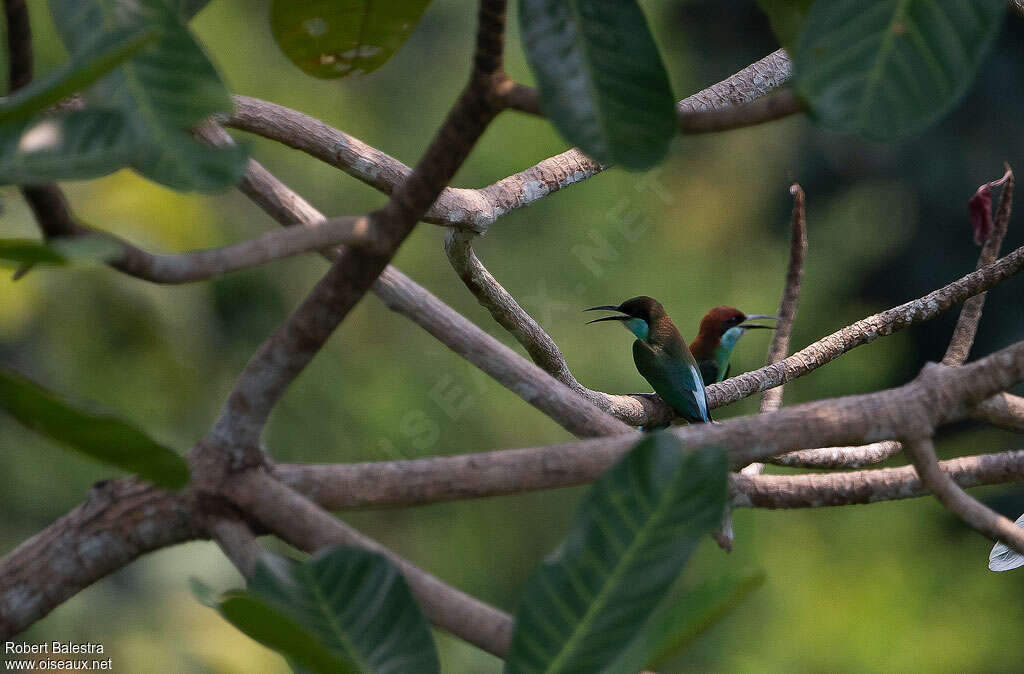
x=754, y=326
x=606, y=307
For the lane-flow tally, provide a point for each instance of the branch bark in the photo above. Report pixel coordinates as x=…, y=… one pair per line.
x=476, y=209
x=938, y=396
x=288, y=350
x=988, y=522
x=118, y=522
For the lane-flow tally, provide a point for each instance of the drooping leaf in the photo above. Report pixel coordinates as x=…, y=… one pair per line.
x=889, y=68
x=681, y=619
x=786, y=17
x=1002, y=557
x=269, y=626
x=600, y=77
x=342, y=610
x=68, y=145
x=99, y=436
x=28, y=251
x=102, y=53
x=165, y=89
x=186, y=9
x=630, y=539
x=329, y=39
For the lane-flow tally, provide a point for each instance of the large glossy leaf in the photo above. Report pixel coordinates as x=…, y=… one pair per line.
x=888, y=68
x=335, y=38
x=69, y=145
x=600, y=78
x=681, y=619
x=99, y=436
x=163, y=90
x=786, y=17
x=102, y=53
x=272, y=628
x=353, y=602
x=628, y=543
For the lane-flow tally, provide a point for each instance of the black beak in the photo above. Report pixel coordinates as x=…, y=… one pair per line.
x=774, y=318
x=754, y=326
x=606, y=307
x=610, y=318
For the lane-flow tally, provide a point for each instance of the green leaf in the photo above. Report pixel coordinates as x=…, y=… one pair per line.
x=163, y=90
x=681, y=619
x=342, y=610
x=356, y=603
x=186, y=9
x=102, y=53
x=600, y=78
x=786, y=17
x=633, y=534
x=70, y=145
x=332, y=39
x=99, y=436
x=28, y=251
x=272, y=628
x=889, y=68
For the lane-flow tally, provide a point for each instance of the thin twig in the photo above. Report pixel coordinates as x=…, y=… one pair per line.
x=921, y=453
x=816, y=490
x=771, y=399
x=1004, y=410
x=866, y=330
x=970, y=314
x=839, y=457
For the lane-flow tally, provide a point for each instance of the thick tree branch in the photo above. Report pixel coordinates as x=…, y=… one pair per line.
x=118, y=522
x=979, y=516
x=302, y=523
x=970, y=314
x=476, y=209
x=938, y=396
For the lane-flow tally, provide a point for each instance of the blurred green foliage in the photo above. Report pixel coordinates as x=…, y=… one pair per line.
x=894, y=586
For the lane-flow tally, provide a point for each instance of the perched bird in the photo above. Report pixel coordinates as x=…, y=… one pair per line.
x=661, y=356
x=720, y=329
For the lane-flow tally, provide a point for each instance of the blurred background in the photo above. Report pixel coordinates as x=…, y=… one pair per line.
x=894, y=586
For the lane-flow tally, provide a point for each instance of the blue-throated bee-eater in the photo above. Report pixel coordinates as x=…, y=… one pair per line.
x=719, y=331
x=662, y=357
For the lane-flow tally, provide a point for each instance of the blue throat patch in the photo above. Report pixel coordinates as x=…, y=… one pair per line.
x=724, y=350
x=638, y=327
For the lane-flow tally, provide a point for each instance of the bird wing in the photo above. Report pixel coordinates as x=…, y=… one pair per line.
x=708, y=370
x=677, y=381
